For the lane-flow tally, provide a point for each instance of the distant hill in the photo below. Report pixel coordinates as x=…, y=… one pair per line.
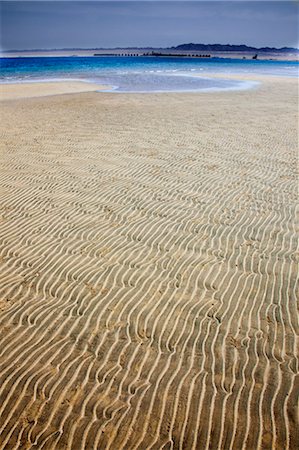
x=232, y=48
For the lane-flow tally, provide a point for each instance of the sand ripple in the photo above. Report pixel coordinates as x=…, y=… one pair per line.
x=148, y=276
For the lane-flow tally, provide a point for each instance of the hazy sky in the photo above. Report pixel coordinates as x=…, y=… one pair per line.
x=59, y=24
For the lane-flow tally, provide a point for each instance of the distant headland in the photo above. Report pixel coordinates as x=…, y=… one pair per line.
x=233, y=48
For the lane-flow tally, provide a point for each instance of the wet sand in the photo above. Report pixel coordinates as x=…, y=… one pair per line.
x=42, y=89
x=148, y=270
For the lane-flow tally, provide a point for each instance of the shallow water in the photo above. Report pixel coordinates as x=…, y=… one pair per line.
x=142, y=74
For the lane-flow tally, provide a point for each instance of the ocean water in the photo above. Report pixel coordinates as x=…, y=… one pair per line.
x=143, y=74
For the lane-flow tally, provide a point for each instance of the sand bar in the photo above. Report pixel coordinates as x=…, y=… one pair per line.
x=41, y=89
x=148, y=270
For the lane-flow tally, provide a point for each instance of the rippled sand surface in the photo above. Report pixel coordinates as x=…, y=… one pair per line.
x=148, y=272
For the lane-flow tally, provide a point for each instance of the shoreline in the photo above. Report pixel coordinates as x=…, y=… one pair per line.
x=138, y=54
x=11, y=90
x=48, y=87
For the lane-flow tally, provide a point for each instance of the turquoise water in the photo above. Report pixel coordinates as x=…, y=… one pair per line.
x=142, y=74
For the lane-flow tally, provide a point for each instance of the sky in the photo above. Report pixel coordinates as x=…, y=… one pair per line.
x=96, y=24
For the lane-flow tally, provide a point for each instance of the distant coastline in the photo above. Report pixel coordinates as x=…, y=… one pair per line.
x=184, y=47
x=183, y=50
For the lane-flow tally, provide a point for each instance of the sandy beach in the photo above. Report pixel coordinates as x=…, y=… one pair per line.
x=147, y=268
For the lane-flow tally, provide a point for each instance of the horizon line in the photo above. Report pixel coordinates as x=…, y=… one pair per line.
x=146, y=48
